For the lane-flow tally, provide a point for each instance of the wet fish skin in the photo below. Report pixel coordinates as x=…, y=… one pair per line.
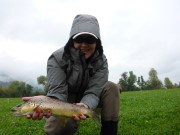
x=56, y=107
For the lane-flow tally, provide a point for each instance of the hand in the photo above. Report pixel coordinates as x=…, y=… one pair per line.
x=82, y=104
x=38, y=114
x=81, y=116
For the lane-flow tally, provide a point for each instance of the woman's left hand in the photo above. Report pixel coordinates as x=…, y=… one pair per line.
x=81, y=116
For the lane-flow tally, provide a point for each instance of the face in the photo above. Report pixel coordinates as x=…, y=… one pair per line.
x=86, y=43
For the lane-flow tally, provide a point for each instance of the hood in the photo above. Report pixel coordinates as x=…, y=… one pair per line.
x=85, y=23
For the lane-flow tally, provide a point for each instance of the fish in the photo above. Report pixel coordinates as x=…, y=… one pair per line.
x=55, y=106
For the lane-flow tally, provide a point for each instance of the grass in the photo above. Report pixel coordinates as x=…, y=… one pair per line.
x=150, y=112
x=154, y=112
x=10, y=125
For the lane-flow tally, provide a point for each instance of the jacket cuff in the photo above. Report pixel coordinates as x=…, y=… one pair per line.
x=90, y=100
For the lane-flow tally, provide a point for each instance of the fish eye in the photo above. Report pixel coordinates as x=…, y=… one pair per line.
x=31, y=104
x=19, y=105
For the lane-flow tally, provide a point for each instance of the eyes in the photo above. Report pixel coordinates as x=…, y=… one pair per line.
x=85, y=39
x=86, y=43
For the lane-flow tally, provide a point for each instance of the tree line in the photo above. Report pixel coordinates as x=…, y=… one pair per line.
x=22, y=89
x=128, y=82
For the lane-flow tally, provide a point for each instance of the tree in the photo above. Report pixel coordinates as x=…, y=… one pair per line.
x=43, y=81
x=131, y=81
x=126, y=82
x=154, y=82
x=2, y=92
x=141, y=83
x=29, y=89
x=168, y=84
x=123, y=81
x=19, y=89
x=13, y=89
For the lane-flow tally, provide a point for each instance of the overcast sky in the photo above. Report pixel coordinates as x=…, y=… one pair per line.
x=137, y=35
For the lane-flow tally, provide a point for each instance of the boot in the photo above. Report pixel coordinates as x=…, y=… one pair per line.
x=109, y=128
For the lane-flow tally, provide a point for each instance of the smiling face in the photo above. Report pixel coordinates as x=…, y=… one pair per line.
x=86, y=43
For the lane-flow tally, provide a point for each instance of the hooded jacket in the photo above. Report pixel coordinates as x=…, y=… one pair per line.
x=70, y=77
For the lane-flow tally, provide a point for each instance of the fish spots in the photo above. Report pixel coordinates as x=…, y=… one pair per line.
x=42, y=106
x=32, y=104
x=46, y=106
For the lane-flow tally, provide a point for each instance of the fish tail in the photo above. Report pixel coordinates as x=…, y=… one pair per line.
x=97, y=119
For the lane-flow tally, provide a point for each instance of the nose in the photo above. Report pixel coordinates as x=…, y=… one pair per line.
x=84, y=47
x=83, y=44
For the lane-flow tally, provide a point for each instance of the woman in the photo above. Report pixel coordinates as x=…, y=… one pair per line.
x=78, y=73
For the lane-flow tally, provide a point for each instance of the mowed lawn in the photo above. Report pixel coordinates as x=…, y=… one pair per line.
x=155, y=112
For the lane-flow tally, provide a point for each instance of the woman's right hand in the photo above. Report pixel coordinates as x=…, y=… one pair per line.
x=38, y=114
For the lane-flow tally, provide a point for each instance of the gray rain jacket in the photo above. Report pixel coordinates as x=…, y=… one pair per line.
x=70, y=77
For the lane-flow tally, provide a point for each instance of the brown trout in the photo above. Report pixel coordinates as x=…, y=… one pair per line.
x=57, y=108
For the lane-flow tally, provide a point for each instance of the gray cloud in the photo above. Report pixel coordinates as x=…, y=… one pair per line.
x=136, y=35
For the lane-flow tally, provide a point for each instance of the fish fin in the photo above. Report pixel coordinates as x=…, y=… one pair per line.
x=97, y=119
x=36, y=106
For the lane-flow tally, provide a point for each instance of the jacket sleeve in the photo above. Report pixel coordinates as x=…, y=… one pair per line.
x=57, y=86
x=96, y=84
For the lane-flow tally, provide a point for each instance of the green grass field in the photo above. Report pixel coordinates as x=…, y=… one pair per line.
x=154, y=112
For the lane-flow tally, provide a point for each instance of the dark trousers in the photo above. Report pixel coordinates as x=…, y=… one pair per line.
x=109, y=105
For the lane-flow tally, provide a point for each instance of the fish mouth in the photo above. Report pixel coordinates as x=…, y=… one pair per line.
x=15, y=112
x=14, y=109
